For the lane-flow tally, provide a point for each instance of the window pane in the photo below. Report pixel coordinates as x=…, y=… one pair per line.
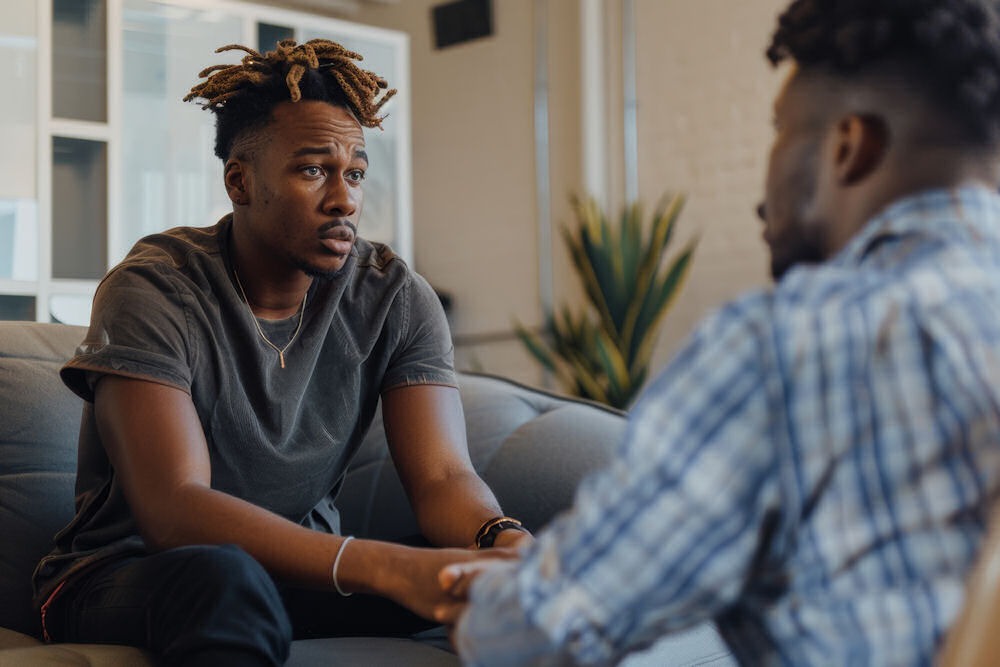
x=269, y=35
x=70, y=308
x=19, y=81
x=79, y=208
x=170, y=174
x=17, y=307
x=79, y=60
x=18, y=239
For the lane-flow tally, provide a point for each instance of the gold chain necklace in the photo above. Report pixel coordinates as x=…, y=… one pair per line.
x=279, y=350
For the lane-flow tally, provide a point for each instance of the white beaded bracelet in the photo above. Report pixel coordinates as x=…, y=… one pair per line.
x=336, y=564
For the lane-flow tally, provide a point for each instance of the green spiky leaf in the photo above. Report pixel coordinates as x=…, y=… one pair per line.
x=603, y=352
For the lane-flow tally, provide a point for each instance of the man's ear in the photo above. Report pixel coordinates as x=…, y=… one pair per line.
x=235, y=177
x=862, y=142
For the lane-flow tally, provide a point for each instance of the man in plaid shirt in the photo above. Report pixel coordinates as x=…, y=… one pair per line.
x=814, y=470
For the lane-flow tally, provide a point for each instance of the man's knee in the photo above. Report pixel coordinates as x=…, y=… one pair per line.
x=230, y=600
x=225, y=566
x=225, y=575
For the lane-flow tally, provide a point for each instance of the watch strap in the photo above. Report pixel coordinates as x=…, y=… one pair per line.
x=487, y=533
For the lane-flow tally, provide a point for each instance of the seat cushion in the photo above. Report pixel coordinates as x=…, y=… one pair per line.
x=75, y=655
x=39, y=426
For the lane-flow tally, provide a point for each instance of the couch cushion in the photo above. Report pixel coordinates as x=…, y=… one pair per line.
x=10, y=639
x=75, y=655
x=535, y=474
x=39, y=426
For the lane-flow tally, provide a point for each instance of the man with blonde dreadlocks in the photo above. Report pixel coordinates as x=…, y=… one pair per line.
x=230, y=373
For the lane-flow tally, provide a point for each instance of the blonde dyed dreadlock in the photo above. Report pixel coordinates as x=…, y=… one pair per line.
x=228, y=88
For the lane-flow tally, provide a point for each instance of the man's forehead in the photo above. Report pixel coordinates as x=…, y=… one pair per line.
x=320, y=150
x=317, y=123
x=305, y=110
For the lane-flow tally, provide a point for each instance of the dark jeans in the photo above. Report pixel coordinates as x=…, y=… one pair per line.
x=211, y=605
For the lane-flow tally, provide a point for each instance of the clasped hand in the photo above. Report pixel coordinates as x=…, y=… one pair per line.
x=434, y=583
x=456, y=579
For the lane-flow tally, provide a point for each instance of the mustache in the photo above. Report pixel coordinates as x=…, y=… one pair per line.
x=328, y=228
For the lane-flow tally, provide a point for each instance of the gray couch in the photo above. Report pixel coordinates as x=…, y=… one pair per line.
x=531, y=447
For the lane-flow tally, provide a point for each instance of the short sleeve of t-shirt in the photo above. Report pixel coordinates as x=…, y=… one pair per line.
x=425, y=354
x=138, y=329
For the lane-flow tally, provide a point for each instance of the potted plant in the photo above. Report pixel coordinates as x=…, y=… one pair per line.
x=603, y=352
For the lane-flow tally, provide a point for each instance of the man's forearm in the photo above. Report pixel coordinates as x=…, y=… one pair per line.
x=201, y=515
x=451, y=510
x=297, y=555
x=425, y=429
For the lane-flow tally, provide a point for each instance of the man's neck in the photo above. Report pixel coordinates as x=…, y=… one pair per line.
x=272, y=292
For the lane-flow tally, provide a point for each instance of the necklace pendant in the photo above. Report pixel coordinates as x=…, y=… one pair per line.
x=263, y=336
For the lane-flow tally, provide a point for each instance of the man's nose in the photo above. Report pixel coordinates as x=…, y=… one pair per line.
x=762, y=212
x=340, y=200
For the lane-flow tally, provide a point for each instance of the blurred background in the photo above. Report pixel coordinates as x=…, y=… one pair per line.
x=506, y=109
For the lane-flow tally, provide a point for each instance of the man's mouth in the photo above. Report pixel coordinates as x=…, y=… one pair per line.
x=338, y=237
x=337, y=247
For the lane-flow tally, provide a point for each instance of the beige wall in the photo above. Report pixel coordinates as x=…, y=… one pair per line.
x=704, y=92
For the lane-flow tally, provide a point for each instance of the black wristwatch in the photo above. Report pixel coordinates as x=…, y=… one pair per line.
x=488, y=532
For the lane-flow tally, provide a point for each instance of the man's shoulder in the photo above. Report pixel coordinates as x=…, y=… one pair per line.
x=752, y=309
x=378, y=257
x=803, y=302
x=175, y=247
x=378, y=268
x=827, y=294
x=179, y=258
x=808, y=291
x=914, y=284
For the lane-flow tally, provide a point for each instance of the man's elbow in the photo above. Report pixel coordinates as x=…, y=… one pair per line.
x=168, y=524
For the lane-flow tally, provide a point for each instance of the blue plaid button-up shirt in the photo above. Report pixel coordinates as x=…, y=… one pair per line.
x=813, y=471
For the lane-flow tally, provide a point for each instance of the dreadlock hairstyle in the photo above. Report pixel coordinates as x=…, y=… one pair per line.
x=952, y=46
x=243, y=96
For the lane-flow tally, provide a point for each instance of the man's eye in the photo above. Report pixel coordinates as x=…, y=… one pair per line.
x=312, y=171
x=356, y=175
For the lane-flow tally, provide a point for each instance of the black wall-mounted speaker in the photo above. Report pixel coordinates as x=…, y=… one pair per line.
x=462, y=20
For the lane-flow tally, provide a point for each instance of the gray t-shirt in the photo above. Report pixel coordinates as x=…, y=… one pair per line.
x=280, y=438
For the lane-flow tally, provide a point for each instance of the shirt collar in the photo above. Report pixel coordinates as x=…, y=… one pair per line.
x=967, y=214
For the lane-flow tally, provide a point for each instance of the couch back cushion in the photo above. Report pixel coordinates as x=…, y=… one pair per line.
x=531, y=447
x=39, y=426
